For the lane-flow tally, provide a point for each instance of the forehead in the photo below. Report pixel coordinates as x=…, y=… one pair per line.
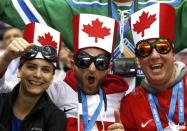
x=13, y=31
x=94, y=51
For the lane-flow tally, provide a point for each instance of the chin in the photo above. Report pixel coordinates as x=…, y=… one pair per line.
x=90, y=92
x=158, y=80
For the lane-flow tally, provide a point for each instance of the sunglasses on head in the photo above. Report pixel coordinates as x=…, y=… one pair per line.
x=84, y=60
x=48, y=52
x=145, y=47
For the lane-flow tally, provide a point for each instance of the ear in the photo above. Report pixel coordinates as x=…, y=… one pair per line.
x=18, y=74
x=110, y=67
x=73, y=64
x=138, y=62
x=174, y=57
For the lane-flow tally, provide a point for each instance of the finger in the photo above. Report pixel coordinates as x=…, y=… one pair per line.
x=21, y=44
x=115, y=126
x=13, y=48
x=24, y=44
x=17, y=44
x=117, y=116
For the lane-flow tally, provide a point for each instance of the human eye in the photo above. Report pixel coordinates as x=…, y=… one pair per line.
x=47, y=70
x=31, y=67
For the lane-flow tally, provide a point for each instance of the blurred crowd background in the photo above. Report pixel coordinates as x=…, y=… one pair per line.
x=3, y=27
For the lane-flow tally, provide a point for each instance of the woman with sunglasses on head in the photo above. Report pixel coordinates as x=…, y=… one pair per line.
x=160, y=102
x=28, y=107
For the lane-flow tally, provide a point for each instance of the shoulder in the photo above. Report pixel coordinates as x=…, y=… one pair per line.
x=132, y=98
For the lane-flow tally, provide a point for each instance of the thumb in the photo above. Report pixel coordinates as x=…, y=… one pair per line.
x=117, y=117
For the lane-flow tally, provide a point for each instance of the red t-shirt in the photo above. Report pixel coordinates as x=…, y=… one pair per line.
x=136, y=111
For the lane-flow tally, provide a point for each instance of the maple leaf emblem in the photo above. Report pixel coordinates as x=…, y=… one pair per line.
x=47, y=39
x=96, y=30
x=144, y=23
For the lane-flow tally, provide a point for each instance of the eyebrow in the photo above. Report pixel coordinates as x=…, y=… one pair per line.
x=30, y=63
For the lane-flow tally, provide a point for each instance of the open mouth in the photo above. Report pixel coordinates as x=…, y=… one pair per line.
x=91, y=79
x=156, y=66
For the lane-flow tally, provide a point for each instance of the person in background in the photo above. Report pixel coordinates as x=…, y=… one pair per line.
x=8, y=36
x=65, y=59
x=28, y=107
x=160, y=102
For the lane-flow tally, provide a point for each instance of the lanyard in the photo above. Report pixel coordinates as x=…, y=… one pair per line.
x=88, y=125
x=181, y=102
x=125, y=29
x=177, y=90
x=124, y=25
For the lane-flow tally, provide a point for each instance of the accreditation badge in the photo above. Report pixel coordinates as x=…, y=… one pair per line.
x=173, y=127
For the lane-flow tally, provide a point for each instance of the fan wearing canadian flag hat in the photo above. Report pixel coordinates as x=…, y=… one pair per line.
x=28, y=107
x=160, y=102
x=93, y=94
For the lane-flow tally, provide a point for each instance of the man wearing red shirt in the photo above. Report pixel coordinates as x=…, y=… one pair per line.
x=159, y=103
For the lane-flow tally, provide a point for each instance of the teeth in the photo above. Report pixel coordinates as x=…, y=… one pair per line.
x=156, y=66
x=35, y=83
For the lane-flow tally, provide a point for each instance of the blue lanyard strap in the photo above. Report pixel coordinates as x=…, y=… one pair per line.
x=88, y=125
x=173, y=102
x=155, y=112
x=114, y=15
x=178, y=90
x=181, y=102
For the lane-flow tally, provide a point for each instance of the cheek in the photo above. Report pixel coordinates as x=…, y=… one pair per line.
x=102, y=74
x=48, y=77
x=143, y=62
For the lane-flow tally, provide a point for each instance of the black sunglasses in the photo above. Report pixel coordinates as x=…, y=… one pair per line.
x=84, y=60
x=145, y=47
x=48, y=52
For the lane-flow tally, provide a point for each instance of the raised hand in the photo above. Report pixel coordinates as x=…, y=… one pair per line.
x=16, y=48
x=117, y=126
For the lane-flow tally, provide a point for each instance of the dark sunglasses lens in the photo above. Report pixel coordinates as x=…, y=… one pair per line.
x=143, y=49
x=30, y=52
x=82, y=60
x=102, y=62
x=163, y=46
x=49, y=53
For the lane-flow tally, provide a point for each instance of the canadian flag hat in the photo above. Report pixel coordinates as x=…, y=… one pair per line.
x=92, y=30
x=42, y=35
x=154, y=21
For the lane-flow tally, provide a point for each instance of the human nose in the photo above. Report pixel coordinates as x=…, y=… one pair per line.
x=92, y=67
x=154, y=54
x=12, y=38
x=38, y=73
